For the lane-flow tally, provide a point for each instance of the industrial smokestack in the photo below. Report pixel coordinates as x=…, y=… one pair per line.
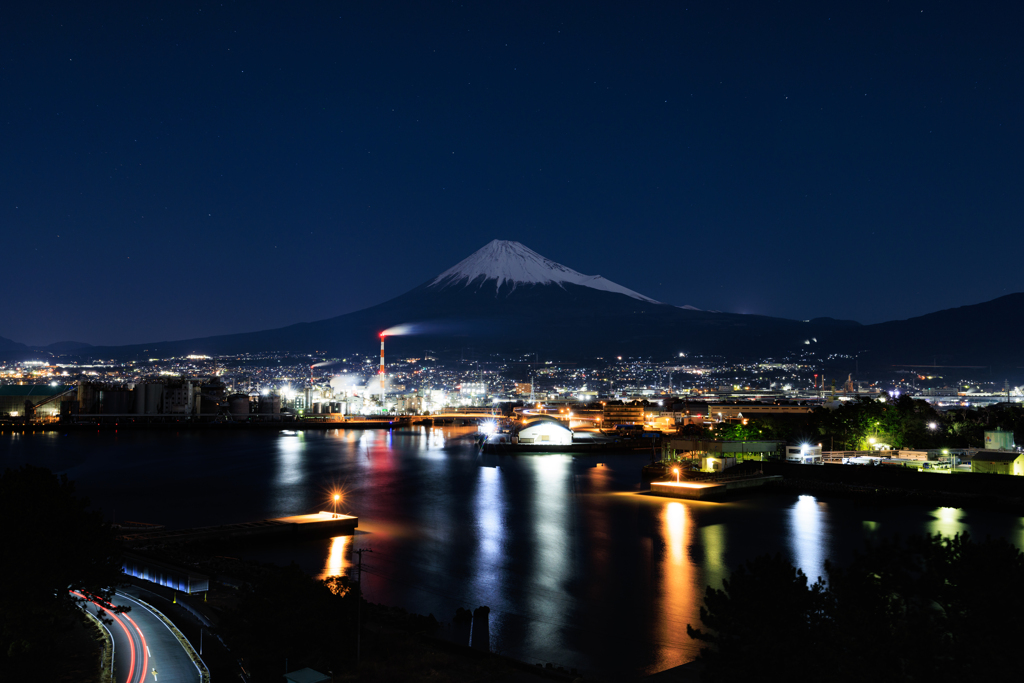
x=383, y=377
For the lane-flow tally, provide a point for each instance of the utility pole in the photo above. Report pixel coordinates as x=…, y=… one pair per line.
x=359, y=603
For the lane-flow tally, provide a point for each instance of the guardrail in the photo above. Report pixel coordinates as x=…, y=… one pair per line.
x=204, y=673
x=107, y=674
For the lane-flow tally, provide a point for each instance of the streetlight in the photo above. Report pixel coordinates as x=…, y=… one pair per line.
x=676, y=470
x=335, y=500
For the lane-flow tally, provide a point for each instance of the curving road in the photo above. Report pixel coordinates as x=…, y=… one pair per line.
x=145, y=649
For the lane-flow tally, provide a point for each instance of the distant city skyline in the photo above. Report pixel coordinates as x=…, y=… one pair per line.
x=174, y=172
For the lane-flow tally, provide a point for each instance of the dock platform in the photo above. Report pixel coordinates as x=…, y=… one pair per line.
x=318, y=523
x=706, y=490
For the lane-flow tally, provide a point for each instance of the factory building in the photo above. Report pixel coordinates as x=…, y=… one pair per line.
x=804, y=454
x=622, y=414
x=178, y=398
x=13, y=398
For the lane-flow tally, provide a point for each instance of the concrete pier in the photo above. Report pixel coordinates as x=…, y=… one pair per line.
x=688, y=490
x=706, y=490
x=318, y=523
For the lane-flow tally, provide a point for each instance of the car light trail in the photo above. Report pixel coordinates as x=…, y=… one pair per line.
x=143, y=651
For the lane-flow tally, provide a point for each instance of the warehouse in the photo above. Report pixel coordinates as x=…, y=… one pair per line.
x=542, y=429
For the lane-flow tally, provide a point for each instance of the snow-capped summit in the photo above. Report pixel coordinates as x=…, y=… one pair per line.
x=510, y=263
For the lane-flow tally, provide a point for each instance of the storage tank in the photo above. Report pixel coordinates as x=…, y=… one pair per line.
x=154, y=398
x=88, y=398
x=140, y=399
x=238, y=406
x=270, y=404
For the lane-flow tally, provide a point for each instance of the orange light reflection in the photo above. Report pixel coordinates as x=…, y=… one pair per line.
x=677, y=597
x=337, y=559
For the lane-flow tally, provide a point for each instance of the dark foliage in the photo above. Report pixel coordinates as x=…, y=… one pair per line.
x=902, y=422
x=763, y=614
x=285, y=615
x=51, y=544
x=927, y=609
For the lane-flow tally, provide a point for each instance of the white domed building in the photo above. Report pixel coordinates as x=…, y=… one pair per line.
x=543, y=430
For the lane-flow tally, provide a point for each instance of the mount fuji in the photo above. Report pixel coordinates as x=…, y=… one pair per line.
x=507, y=299
x=510, y=264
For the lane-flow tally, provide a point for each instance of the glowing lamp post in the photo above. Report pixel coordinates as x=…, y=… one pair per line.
x=676, y=470
x=334, y=500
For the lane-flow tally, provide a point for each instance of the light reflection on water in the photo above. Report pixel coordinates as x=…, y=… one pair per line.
x=947, y=521
x=808, y=523
x=289, y=461
x=338, y=561
x=713, y=538
x=489, y=508
x=678, y=595
x=551, y=564
x=577, y=569
x=488, y=577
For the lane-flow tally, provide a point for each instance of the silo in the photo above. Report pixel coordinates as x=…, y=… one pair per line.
x=270, y=404
x=115, y=401
x=87, y=398
x=154, y=398
x=140, y=399
x=238, y=406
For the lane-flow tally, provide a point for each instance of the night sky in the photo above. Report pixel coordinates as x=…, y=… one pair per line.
x=181, y=169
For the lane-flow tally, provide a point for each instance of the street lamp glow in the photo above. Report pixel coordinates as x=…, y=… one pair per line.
x=676, y=470
x=335, y=496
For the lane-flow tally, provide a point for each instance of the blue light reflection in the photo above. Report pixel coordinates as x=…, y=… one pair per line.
x=808, y=526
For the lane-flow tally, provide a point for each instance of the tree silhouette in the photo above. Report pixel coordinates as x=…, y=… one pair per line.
x=51, y=544
x=927, y=609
